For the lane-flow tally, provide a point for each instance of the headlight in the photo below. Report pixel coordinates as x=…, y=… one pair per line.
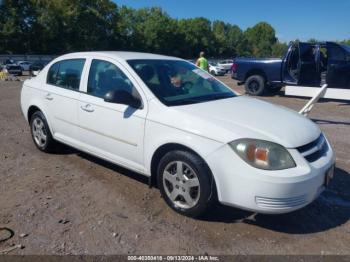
x=263, y=154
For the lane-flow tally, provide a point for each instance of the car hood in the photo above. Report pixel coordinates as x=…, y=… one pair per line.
x=229, y=119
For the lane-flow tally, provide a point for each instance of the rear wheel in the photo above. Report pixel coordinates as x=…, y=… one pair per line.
x=255, y=85
x=185, y=183
x=212, y=72
x=41, y=133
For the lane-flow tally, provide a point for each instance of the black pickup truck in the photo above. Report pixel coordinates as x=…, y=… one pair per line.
x=304, y=64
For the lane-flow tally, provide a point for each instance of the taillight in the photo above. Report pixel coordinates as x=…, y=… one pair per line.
x=234, y=68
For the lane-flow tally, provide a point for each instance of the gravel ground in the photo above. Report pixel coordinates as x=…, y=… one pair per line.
x=72, y=203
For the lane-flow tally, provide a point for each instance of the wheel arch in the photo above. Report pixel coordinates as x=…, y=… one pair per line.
x=256, y=71
x=168, y=147
x=34, y=108
x=31, y=110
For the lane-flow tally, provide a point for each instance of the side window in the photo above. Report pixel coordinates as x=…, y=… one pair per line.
x=52, y=74
x=66, y=73
x=307, y=53
x=104, y=77
x=337, y=53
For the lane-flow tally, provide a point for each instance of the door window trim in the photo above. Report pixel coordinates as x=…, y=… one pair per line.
x=81, y=74
x=85, y=91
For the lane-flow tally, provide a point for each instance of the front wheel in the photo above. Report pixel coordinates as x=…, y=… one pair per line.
x=185, y=183
x=255, y=85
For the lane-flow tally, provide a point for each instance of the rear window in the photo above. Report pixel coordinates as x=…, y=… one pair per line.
x=14, y=67
x=66, y=73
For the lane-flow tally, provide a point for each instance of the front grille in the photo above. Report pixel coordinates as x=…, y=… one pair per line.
x=314, y=150
x=280, y=203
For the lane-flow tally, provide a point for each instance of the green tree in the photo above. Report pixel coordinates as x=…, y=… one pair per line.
x=61, y=26
x=313, y=41
x=220, y=30
x=279, y=49
x=16, y=21
x=149, y=29
x=261, y=37
x=229, y=39
x=345, y=42
x=197, y=35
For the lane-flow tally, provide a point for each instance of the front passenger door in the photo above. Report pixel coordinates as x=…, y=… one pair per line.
x=112, y=131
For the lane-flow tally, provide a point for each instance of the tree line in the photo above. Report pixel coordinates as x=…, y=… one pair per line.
x=61, y=26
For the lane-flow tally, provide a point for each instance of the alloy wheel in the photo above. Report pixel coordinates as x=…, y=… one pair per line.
x=181, y=184
x=39, y=132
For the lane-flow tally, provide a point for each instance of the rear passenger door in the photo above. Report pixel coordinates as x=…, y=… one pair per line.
x=109, y=130
x=61, y=97
x=308, y=69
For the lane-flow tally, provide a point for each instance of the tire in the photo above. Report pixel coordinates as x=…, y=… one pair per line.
x=212, y=72
x=42, y=137
x=194, y=171
x=255, y=85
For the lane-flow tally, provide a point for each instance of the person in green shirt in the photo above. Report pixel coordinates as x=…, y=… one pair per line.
x=202, y=62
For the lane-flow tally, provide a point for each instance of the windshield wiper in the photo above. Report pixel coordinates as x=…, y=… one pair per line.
x=219, y=96
x=201, y=99
x=185, y=102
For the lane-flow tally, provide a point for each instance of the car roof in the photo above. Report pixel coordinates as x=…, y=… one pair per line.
x=124, y=55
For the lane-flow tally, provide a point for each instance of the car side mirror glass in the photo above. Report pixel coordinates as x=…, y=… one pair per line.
x=123, y=97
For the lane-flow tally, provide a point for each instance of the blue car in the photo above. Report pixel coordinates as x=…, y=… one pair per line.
x=304, y=64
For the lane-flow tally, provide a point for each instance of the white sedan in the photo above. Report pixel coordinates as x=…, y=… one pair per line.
x=216, y=70
x=191, y=135
x=24, y=64
x=226, y=64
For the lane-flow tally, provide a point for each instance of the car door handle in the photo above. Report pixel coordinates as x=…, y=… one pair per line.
x=48, y=97
x=87, y=108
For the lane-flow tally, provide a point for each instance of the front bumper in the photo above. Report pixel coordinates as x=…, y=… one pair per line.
x=263, y=191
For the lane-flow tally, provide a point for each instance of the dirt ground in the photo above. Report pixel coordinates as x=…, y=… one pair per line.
x=72, y=203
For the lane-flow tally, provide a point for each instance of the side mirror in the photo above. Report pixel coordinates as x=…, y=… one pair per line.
x=122, y=97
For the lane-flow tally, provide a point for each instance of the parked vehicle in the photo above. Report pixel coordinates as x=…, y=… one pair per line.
x=9, y=62
x=304, y=64
x=216, y=70
x=191, y=135
x=24, y=64
x=14, y=69
x=226, y=64
x=36, y=67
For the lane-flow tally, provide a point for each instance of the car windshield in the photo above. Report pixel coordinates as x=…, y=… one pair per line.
x=177, y=82
x=346, y=47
